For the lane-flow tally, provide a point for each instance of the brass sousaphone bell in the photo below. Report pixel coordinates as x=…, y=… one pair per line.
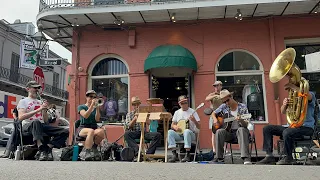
x=283, y=66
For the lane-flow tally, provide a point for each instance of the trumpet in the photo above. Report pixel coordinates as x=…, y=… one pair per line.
x=99, y=102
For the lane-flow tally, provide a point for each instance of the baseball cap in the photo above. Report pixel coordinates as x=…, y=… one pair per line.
x=32, y=84
x=217, y=83
x=182, y=98
x=90, y=92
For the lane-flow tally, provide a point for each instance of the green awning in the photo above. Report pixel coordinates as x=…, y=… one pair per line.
x=170, y=56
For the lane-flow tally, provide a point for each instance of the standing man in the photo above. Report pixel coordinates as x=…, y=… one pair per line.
x=239, y=131
x=188, y=135
x=33, y=114
x=215, y=102
x=134, y=130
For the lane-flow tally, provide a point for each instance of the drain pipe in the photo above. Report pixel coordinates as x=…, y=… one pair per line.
x=276, y=85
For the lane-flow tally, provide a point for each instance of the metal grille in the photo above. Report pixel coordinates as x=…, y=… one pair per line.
x=109, y=66
x=21, y=79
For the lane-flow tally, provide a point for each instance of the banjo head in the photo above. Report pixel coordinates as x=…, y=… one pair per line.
x=182, y=125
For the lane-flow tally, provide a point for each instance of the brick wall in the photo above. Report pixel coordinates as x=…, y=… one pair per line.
x=208, y=41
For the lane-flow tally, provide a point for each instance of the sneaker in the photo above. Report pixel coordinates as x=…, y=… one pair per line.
x=49, y=153
x=267, y=160
x=186, y=158
x=218, y=160
x=87, y=155
x=43, y=156
x=96, y=153
x=285, y=161
x=174, y=158
x=247, y=161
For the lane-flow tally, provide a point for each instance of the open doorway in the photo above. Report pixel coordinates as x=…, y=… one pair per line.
x=169, y=89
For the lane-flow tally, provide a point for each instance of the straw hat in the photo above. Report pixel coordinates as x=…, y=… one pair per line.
x=135, y=100
x=217, y=83
x=224, y=94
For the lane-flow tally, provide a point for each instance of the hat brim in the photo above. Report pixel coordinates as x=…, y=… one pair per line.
x=35, y=86
x=91, y=93
x=136, y=102
x=183, y=100
x=226, y=96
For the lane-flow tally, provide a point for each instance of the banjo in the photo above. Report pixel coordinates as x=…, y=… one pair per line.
x=184, y=124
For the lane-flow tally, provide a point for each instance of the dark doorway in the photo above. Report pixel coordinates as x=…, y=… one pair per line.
x=169, y=89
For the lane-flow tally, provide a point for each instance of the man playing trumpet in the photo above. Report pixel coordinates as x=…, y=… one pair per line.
x=33, y=114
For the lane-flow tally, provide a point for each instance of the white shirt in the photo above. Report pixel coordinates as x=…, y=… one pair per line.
x=184, y=115
x=29, y=105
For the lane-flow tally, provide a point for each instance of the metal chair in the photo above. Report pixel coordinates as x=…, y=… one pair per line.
x=196, y=142
x=252, y=141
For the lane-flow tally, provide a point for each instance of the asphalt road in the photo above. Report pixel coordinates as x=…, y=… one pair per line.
x=122, y=170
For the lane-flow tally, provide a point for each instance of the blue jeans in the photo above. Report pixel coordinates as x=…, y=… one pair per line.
x=188, y=136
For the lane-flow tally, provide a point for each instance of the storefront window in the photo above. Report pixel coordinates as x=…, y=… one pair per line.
x=241, y=73
x=110, y=81
x=313, y=78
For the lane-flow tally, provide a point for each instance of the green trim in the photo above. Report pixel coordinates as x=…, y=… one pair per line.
x=170, y=56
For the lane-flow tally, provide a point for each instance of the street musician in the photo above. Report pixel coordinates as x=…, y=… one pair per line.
x=215, y=102
x=238, y=131
x=188, y=135
x=299, y=108
x=89, y=116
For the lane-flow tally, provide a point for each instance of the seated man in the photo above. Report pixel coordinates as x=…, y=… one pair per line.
x=33, y=115
x=288, y=134
x=134, y=130
x=239, y=131
x=188, y=135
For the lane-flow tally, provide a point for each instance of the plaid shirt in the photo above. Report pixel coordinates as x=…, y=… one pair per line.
x=129, y=117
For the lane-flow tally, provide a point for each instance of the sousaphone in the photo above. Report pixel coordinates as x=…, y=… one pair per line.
x=283, y=66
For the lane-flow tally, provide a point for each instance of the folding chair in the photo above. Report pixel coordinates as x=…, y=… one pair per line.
x=196, y=142
x=308, y=140
x=252, y=141
x=80, y=140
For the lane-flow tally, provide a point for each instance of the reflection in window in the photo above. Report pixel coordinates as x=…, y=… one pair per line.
x=238, y=61
x=314, y=82
x=113, y=90
x=303, y=50
x=248, y=90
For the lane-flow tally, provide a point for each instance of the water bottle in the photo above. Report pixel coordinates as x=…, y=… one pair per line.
x=17, y=154
x=75, y=154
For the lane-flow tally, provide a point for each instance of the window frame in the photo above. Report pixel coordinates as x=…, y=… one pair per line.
x=101, y=58
x=246, y=73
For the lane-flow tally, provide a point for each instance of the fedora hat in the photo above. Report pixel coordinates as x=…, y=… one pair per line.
x=217, y=83
x=135, y=100
x=224, y=94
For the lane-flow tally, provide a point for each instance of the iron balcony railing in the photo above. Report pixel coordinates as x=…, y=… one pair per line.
x=21, y=79
x=51, y=4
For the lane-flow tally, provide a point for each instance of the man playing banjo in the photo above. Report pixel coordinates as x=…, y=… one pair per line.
x=188, y=135
x=239, y=131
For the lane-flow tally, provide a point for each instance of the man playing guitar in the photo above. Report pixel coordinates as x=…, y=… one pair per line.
x=238, y=132
x=188, y=135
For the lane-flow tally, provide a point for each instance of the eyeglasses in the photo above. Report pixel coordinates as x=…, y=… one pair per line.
x=93, y=97
x=226, y=100
x=184, y=102
x=37, y=87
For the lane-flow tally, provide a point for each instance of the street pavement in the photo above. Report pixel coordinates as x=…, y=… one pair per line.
x=34, y=170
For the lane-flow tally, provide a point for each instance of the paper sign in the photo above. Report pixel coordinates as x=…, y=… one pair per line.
x=142, y=117
x=313, y=62
x=155, y=116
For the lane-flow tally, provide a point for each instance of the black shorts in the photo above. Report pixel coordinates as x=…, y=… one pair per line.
x=94, y=127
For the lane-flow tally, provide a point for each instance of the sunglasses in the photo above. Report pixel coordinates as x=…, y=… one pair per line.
x=226, y=101
x=92, y=97
x=184, y=102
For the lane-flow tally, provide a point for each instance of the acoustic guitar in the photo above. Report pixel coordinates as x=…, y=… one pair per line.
x=184, y=124
x=226, y=123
